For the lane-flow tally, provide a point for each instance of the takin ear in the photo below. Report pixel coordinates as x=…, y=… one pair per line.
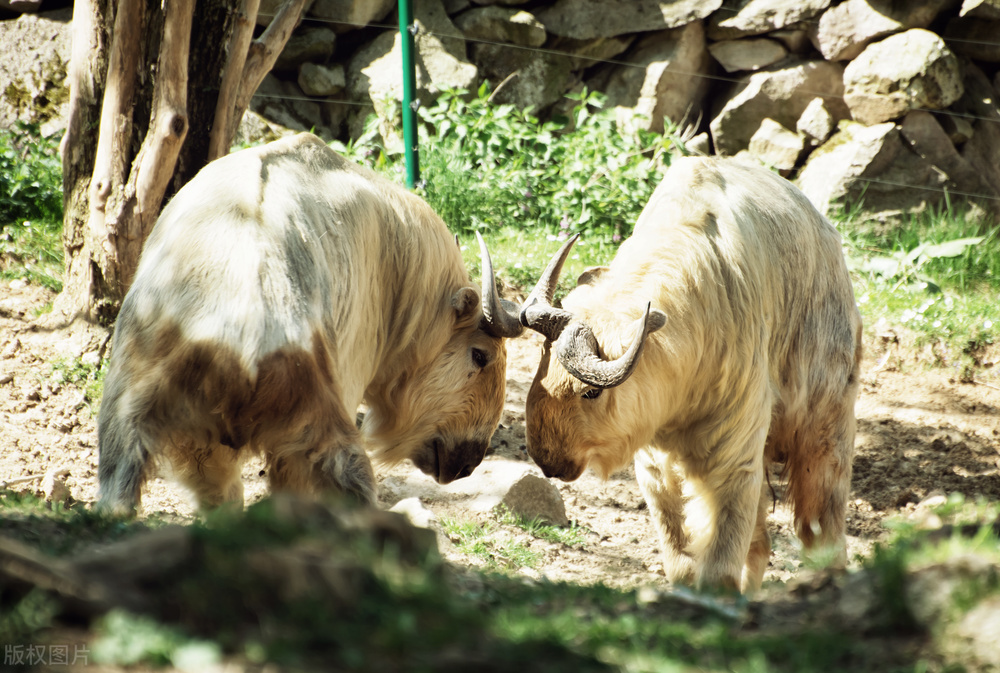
x=591, y=275
x=467, y=307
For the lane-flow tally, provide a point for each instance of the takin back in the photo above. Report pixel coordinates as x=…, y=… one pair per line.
x=723, y=337
x=278, y=289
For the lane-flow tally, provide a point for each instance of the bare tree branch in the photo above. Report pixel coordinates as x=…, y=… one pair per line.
x=263, y=53
x=239, y=44
x=110, y=163
x=169, y=124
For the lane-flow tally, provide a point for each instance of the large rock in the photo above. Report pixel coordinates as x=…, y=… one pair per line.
x=816, y=123
x=740, y=18
x=36, y=51
x=976, y=38
x=321, y=80
x=669, y=81
x=843, y=32
x=590, y=52
x=375, y=72
x=268, y=9
x=980, y=102
x=775, y=146
x=589, y=19
x=928, y=139
x=982, y=9
x=523, y=77
x=501, y=24
x=750, y=54
x=781, y=94
x=345, y=15
x=311, y=44
x=870, y=165
x=909, y=70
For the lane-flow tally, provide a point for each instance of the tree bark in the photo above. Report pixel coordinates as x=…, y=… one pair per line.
x=157, y=88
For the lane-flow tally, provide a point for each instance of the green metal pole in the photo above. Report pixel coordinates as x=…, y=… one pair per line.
x=410, y=142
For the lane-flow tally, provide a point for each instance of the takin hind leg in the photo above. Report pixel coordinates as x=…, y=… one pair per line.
x=662, y=488
x=819, y=478
x=760, y=547
x=323, y=457
x=212, y=473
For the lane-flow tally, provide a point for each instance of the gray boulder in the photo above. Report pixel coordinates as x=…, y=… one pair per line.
x=873, y=166
x=667, y=83
x=375, y=72
x=311, y=44
x=776, y=146
x=320, y=80
x=816, y=123
x=928, y=139
x=842, y=32
x=346, y=15
x=502, y=24
x=749, y=54
x=533, y=497
x=589, y=19
x=523, y=77
x=980, y=103
x=781, y=94
x=36, y=51
x=982, y=9
x=740, y=18
x=909, y=70
x=976, y=38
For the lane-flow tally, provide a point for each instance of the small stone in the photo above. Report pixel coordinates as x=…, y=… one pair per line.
x=415, y=512
x=54, y=485
x=534, y=497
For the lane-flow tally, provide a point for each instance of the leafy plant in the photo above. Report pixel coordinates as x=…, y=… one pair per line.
x=31, y=184
x=486, y=166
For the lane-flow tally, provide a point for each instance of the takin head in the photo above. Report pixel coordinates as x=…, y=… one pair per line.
x=442, y=414
x=570, y=422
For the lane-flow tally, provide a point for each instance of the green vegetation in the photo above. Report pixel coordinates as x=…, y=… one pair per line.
x=300, y=585
x=87, y=376
x=30, y=207
x=503, y=542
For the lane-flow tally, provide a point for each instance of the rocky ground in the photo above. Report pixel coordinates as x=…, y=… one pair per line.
x=922, y=433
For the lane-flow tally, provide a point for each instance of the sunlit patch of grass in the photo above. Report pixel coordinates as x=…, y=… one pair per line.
x=519, y=257
x=32, y=250
x=87, y=376
x=571, y=536
x=496, y=546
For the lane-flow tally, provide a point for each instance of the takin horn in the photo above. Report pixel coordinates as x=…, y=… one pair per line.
x=538, y=313
x=577, y=351
x=500, y=317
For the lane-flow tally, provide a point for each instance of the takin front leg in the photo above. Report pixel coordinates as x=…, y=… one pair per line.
x=662, y=489
x=212, y=473
x=322, y=457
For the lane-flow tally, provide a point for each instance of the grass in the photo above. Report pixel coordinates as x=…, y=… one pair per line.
x=87, y=376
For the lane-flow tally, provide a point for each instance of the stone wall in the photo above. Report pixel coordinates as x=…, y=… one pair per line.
x=892, y=102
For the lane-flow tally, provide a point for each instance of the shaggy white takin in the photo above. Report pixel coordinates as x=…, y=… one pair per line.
x=723, y=336
x=279, y=288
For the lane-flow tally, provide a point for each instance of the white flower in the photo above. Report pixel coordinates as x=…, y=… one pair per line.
x=988, y=324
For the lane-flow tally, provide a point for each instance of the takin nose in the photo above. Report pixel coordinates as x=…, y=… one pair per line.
x=557, y=469
x=460, y=461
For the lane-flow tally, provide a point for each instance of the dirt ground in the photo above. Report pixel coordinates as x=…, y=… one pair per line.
x=922, y=432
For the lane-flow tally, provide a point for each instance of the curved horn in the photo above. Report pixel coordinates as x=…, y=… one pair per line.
x=538, y=313
x=500, y=317
x=546, y=286
x=577, y=350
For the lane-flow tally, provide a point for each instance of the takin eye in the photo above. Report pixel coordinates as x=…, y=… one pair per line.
x=593, y=393
x=480, y=358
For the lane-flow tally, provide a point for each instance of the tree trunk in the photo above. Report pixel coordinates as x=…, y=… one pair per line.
x=157, y=88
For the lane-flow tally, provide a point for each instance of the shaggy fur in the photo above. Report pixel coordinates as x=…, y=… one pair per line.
x=758, y=362
x=279, y=289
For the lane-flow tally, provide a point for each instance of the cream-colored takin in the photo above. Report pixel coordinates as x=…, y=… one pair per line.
x=279, y=289
x=723, y=336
